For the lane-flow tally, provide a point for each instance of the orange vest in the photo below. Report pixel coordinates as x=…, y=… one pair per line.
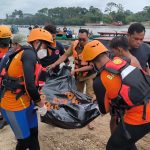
x=15, y=70
x=78, y=59
x=112, y=84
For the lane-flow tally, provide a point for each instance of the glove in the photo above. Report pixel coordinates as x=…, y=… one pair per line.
x=41, y=110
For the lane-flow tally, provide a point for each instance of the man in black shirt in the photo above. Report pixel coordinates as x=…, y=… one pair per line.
x=140, y=50
x=54, y=54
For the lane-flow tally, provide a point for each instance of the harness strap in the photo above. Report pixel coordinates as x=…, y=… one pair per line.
x=15, y=85
x=120, y=112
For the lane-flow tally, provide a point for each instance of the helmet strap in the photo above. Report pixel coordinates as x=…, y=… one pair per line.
x=40, y=44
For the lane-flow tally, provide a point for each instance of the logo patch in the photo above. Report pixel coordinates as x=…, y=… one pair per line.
x=117, y=61
x=57, y=52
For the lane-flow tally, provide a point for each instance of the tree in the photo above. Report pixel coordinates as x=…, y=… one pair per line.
x=20, y=13
x=43, y=11
x=17, y=13
x=110, y=6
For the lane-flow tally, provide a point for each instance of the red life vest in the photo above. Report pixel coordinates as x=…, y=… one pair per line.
x=135, y=88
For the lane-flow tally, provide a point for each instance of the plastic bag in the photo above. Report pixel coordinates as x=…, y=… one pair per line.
x=69, y=108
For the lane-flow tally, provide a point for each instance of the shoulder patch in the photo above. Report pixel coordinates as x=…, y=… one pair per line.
x=117, y=61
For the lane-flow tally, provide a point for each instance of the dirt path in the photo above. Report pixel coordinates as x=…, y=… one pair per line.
x=53, y=138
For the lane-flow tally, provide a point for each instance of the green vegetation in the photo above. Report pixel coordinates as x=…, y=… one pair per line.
x=79, y=16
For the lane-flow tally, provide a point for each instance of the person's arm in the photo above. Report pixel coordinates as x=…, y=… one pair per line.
x=62, y=58
x=148, y=66
x=135, y=62
x=82, y=69
x=29, y=63
x=62, y=51
x=101, y=96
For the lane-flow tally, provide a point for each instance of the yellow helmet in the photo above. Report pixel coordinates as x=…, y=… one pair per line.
x=40, y=34
x=92, y=50
x=5, y=32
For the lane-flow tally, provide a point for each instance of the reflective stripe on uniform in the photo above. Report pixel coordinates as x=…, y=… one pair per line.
x=127, y=71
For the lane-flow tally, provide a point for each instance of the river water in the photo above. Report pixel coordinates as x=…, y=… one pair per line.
x=94, y=29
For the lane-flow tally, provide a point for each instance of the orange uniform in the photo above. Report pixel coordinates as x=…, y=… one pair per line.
x=77, y=56
x=106, y=87
x=9, y=101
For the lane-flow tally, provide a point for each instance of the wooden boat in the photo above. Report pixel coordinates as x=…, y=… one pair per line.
x=112, y=34
x=106, y=40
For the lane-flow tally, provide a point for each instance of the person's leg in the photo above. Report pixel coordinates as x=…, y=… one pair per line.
x=19, y=124
x=34, y=142
x=90, y=92
x=113, y=124
x=118, y=141
x=33, y=124
x=23, y=144
x=80, y=86
x=3, y=121
x=89, y=87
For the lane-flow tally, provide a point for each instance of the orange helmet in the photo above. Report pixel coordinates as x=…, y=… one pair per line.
x=40, y=34
x=5, y=32
x=92, y=50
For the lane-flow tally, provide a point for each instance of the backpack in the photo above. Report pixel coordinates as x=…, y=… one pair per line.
x=135, y=88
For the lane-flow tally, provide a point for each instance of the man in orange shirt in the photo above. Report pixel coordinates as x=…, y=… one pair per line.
x=108, y=86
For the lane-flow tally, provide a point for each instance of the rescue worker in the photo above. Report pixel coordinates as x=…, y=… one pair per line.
x=5, y=40
x=108, y=87
x=120, y=47
x=59, y=50
x=20, y=90
x=75, y=50
x=82, y=77
x=18, y=41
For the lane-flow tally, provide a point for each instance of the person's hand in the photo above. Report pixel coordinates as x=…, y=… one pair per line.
x=42, y=110
x=52, y=66
x=93, y=99
x=43, y=100
x=72, y=73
